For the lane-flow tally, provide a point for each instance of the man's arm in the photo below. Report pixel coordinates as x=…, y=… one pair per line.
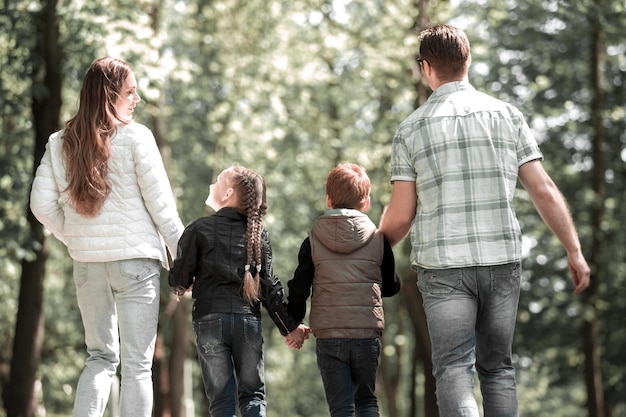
x=552, y=208
x=396, y=220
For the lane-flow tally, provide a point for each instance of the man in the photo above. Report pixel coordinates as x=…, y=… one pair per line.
x=454, y=168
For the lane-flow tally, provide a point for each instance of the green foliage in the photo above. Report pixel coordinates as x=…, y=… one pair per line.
x=15, y=163
x=63, y=350
x=291, y=88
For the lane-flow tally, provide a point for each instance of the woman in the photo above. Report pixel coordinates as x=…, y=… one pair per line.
x=102, y=189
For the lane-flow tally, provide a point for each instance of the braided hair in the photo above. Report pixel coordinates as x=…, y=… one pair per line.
x=250, y=187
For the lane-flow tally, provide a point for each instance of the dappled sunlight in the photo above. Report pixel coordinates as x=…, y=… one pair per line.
x=291, y=88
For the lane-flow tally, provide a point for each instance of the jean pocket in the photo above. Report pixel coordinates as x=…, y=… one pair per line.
x=329, y=353
x=439, y=281
x=505, y=279
x=139, y=269
x=252, y=331
x=367, y=353
x=208, y=333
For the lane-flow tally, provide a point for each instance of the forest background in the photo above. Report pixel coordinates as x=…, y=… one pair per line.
x=290, y=88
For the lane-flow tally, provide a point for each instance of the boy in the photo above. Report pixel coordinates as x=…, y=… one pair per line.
x=350, y=267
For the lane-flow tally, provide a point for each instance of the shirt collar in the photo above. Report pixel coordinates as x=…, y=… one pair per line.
x=452, y=87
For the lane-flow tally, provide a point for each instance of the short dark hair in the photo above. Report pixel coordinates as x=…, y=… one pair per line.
x=447, y=49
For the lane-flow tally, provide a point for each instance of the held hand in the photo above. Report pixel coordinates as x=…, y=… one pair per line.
x=296, y=338
x=292, y=344
x=580, y=271
x=180, y=291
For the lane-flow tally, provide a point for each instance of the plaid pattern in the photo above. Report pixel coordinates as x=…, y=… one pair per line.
x=463, y=149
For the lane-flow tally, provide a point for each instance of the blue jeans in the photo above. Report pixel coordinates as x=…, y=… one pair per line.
x=230, y=351
x=471, y=316
x=119, y=305
x=348, y=368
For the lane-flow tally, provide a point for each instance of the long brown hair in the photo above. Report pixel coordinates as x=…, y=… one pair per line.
x=250, y=187
x=86, y=146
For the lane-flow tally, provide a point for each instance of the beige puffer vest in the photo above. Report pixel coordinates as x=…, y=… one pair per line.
x=347, y=253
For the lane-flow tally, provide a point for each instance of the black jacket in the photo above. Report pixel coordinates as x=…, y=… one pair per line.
x=211, y=257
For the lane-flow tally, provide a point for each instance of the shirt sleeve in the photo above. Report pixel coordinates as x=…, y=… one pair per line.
x=300, y=284
x=527, y=147
x=402, y=168
x=391, y=281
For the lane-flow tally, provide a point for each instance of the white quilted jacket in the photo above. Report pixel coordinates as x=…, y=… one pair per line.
x=137, y=218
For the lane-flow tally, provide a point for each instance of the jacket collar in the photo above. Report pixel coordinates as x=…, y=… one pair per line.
x=231, y=213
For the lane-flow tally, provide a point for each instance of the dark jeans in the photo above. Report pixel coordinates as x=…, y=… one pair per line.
x=348, y=368
x=230, y=351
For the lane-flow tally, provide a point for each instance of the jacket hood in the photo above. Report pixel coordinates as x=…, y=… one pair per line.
x=343, y=230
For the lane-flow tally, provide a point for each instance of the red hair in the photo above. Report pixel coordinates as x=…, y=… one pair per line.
x=348, y=186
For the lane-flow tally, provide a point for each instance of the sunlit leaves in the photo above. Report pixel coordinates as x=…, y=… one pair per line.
x=291, y=88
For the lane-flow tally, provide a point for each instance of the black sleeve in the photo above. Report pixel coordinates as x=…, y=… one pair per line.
x=391, y=280
x=300, y=285
x=272, y=293
x=183, y=271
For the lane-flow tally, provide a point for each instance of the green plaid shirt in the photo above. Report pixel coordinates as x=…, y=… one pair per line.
x=463, y=149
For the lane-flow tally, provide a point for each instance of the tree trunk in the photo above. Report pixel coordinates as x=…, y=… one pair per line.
x=413, y=301
x=168, y=371
x=593, y=377
x=21, y=399
x=411, y=292
x=161, y=377
x=29, y=323
x=421, y=22
x=389, y=377
x=178, y=356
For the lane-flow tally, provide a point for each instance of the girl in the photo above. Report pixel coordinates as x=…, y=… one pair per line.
x=227, y=258
x=102, y=190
